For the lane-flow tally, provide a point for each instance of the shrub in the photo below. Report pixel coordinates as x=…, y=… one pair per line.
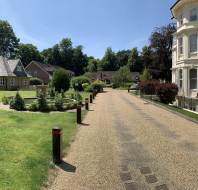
x=5, y=100
x=85, y=85
x=52, y=92
x=167, y=92
x=146, y=75
x=77, y=82
x=35, y=81
x=97, y=86
x=59, y=102
x=149, y=87
x=42, y=104
x=17, y=103
x=33, y=107
x=61, y=80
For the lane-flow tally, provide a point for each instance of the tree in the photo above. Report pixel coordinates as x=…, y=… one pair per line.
x=147, y=56
x=8, y=40
x=28, y=53
x=61, y=80
x=146, y=75
x=161, y=43
x=134, y=61
x=92, y=65
x=108, y=62
x=79, y=61
x=122, y=57
x=122, y=76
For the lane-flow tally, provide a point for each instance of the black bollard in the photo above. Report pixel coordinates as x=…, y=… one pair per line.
x=91, y=98
x=78, y=113
x=87, y=103
x=93, y=95
x=57, y=145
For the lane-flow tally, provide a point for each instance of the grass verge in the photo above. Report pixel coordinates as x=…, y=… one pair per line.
x=183, y=112
x=25, y=151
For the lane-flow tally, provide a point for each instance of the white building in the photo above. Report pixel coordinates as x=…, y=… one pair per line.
x=185, y=47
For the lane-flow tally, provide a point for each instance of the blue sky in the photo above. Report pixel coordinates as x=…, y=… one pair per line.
x=95, y=24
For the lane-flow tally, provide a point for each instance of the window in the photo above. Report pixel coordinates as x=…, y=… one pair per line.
x=180, y=41
x=180, y=78
x=19, y=68
x=25, y=82
x=2, y=81
x=193, y=79
x=193, y=43
x=35, y=73
x=181, y=20
x=193, y=14
x=12, y=81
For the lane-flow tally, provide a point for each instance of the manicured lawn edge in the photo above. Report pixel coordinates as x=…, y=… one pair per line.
x=180, y=112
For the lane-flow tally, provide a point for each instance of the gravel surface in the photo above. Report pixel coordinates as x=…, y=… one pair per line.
x=127, y=144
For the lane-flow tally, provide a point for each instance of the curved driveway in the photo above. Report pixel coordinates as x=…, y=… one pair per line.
x=127, y=144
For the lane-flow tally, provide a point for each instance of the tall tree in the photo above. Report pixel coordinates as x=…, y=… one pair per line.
x=28, y=53
x=108, y=62
x=161, y=43
x=134, y=61
x=147, y=56
x=8, y=40
x=79, y=61
x=122, y=57
x=92, y=65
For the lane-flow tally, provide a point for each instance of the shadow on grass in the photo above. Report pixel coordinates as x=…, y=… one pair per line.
x=67, y=167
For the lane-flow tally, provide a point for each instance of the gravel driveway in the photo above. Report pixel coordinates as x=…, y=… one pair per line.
x=128, y=144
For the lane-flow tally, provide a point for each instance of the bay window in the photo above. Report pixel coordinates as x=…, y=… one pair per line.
x=180, y=78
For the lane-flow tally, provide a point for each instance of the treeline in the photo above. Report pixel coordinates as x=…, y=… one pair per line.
x=157, y=56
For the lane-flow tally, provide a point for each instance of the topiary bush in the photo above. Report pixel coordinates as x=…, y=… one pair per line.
x=97, y=86
x=77, y=82
x=149, y=87
x=167, y=92
x=35, y=81
x=17, y=103
x=61, y=80
x=42, y=104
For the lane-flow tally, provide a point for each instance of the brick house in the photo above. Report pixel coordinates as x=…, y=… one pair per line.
x=42, y=71
x=12, y=74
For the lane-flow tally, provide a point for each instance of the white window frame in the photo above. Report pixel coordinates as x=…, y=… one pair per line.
x=192, y=78
x=25, y=82
x=193, y=15
x=190, y=45
x=35, y=73
x=19, y=68
x=180, y=46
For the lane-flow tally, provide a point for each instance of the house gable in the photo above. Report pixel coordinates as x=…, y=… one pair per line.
x=19, y=70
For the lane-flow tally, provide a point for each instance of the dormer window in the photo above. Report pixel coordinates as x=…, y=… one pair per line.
x=193, y=14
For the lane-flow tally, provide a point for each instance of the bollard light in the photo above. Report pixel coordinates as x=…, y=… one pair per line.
x=78, y=114
x=57, y=145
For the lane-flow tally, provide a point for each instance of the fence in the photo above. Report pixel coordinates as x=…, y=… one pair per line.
x=187, y=103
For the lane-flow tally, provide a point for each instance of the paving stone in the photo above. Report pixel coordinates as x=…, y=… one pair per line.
x=125, y=176
x=151, y=179
x=131, y=186
x=161, y=187
x=145, y=170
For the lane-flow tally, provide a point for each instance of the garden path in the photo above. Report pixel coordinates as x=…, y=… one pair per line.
x=125, y=143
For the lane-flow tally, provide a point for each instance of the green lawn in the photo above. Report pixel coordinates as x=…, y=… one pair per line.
x=25, y=147
x=23, y=93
